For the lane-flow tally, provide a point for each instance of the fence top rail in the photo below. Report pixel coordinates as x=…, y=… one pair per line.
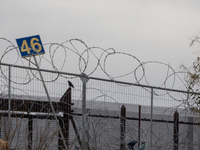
x=101, y=79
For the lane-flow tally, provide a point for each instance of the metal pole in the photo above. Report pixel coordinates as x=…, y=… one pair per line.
x=9, y=92
x=139, y=125
x=30, y=131
x=176, y=130
x=122, y=127
x=151, y=118
x=84, y=113
x=52, y=108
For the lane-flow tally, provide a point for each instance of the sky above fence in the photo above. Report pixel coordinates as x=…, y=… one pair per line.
x=149, y=30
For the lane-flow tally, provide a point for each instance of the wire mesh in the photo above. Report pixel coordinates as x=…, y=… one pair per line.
x=32, y=124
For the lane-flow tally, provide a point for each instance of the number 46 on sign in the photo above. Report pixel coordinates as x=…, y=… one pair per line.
x=30, y=46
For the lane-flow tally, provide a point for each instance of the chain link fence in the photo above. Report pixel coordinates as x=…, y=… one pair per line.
x=108, y=117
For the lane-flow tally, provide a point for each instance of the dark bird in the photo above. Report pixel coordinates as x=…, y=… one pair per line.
x=132, y=144
x=70, y=84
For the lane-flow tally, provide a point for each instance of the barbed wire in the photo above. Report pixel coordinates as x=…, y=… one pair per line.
x=85, y=56
x=76, y=49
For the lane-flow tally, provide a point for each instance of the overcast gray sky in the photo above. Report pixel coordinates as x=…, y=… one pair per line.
x=150, y=30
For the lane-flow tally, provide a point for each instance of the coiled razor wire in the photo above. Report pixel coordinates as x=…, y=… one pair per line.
x=85, y=56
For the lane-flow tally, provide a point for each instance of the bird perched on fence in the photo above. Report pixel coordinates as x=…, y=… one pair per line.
x=132, y=144
x=70, y=84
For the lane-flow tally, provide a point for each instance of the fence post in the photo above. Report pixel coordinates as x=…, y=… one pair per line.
x=65, y=104
x=122, y=127
x=85, y=143
x=9, y=92
x=139, y=125
x=60, y=143
x=30, y=131
x=176, y=130
x=151, y=119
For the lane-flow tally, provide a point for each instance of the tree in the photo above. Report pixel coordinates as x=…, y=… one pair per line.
x=192, y=78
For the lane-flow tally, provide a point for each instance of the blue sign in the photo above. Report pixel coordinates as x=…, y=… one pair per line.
x=30, y=46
